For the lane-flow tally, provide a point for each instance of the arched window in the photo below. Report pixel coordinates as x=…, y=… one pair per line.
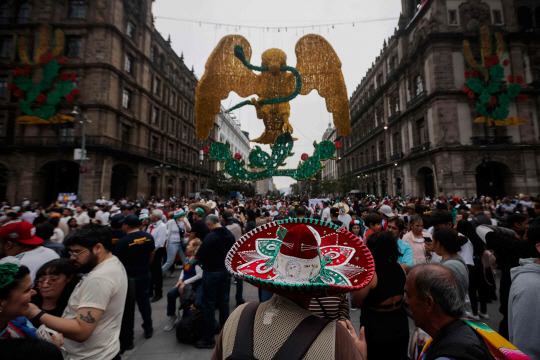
x=418, y=85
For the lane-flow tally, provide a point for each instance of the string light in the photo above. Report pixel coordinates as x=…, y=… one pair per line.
x=312, y=26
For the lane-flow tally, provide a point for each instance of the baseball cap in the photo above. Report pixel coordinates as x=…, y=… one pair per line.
x=386, y=211
x=21, y=231
x=199, y=211
x=143, y=216
x=131, y=220
x=116, y=219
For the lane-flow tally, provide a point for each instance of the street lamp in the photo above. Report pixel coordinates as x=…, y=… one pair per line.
x=82, y=155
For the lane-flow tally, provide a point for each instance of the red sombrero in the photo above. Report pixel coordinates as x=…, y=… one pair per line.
x=309, y=256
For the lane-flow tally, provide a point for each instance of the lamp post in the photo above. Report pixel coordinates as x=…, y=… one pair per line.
x=82, y=156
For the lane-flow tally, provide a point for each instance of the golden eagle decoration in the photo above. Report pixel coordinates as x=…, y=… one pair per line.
x=228, y=69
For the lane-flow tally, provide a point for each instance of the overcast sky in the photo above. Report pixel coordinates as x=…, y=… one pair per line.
x=356, y=46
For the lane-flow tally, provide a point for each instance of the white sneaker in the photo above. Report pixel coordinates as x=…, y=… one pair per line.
x=171, y=323
x=484, y=316
x=471, y=316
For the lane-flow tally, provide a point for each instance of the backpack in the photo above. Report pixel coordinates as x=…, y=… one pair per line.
x=295, y=347
x=190, y=328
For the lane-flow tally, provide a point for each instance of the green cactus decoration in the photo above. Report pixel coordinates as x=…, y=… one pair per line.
x=485, y=80
x=41, y=98
x=281, y=150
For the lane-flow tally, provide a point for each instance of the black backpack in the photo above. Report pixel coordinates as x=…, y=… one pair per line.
x=294, y=348
x=190, y=328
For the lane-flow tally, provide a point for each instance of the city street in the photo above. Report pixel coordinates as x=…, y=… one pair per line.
x=163, y=345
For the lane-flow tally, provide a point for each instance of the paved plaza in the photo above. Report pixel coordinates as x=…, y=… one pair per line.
x=163, y=345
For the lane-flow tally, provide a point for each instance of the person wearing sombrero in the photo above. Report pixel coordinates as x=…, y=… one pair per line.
x=297, y=259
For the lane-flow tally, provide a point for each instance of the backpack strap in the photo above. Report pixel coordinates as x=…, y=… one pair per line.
x=299, y=342
x=243, y=342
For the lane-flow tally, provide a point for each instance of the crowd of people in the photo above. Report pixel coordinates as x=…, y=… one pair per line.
x=71, y=274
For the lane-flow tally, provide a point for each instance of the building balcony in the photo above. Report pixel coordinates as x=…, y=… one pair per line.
x=373, y=165
x=394, y=116
x=416, y=99
x=396, y=156
x=95, y=143
x=420, y=148
x=494, y=140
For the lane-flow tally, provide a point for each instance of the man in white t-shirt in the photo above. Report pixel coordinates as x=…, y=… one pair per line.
x=19, y=239
x=91, y=321
x=82, y=217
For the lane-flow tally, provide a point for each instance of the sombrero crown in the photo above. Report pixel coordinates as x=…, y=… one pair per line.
x=306, y=256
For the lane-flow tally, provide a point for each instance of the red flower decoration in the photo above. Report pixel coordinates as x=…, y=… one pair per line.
x=470, y=94
x=474, y=74
x=522, y=98
x=25, y=71
x=41, y=98
x=493, y=100
x=42, y=59
x=75, y=91
x=519, y=79
x=62, y=59
x=467, y=74
x=506, y=62
x=11, y=87
x=494, y=59
x=338, y=144
x=49, y=56
x=511, y=79
x=237, y=156
x=73, y=77
x=69, y=97
x=17, y=92
x=465, y=89
x=17, y=71
x=206, y=149
x=64, y=76
x=304, y=156
x=488, y=63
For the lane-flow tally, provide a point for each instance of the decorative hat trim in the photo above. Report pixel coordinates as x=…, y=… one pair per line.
x=343, y=264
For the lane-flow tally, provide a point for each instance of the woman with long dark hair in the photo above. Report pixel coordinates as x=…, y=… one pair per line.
x=55, y=281
x=383, y=315
x=447, y=243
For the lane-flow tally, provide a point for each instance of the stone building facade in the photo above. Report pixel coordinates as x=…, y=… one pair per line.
x=413, y=130
x=137, y=92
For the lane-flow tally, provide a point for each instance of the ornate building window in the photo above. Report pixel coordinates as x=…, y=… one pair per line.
x=5, y=14
x=77, y=9
x=130, y=29
x=126, y=99
x=421, y=137
x=73, y=47
x=418, y=85
x=125, y=131
x=3, y=86
x=129, y=64
x=23, y=15
x=5, y=46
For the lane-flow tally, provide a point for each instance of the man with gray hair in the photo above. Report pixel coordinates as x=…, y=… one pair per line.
x=216, y=279
x=436, y=300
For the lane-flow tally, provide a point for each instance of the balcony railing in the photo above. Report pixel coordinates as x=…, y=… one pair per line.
x=396, y=156
x=373, y=165
x=416, y=99
x=420, y=148
x=494, y=140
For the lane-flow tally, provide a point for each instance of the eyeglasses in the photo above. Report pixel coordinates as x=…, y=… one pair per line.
x=50, y=281
x=76, y=253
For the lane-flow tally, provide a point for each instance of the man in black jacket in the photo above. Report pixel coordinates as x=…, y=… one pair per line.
x=216, y=279
x=436, y=300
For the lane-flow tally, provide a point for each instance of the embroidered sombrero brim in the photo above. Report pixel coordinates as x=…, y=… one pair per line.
x=348, y=264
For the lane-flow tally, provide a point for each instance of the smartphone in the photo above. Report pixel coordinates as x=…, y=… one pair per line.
x=427, y=239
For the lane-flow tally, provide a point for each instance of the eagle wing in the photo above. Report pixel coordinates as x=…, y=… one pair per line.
x=320, y=69
x=223, y=73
